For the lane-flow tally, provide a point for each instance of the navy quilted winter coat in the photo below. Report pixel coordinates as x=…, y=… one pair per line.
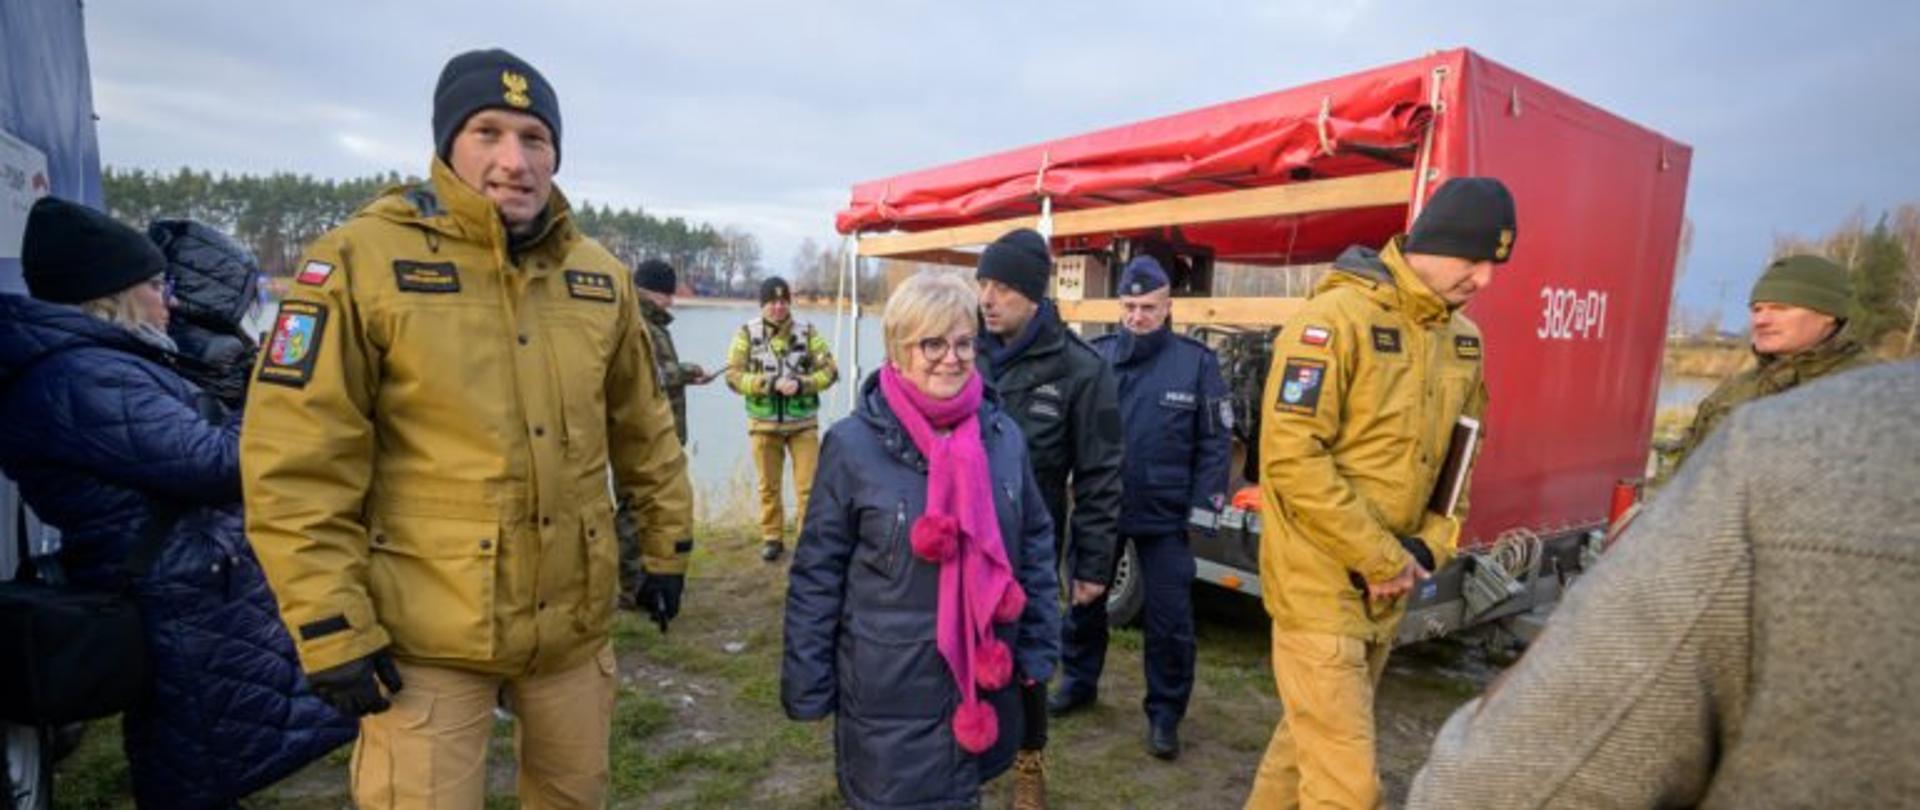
x=95, y=428
x=860, y=613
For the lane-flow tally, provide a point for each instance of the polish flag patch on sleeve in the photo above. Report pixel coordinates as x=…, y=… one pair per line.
x=1316, y=336
x=315, y=273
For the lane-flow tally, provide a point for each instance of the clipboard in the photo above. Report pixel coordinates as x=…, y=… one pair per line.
x=1452, y=480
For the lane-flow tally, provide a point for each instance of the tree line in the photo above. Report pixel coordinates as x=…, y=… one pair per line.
x=1883, y=260
x=276, y=215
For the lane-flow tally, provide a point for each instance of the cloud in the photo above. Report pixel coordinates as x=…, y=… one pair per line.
x=763, y=114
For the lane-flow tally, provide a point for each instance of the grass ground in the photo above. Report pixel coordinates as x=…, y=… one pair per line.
x=698, y=722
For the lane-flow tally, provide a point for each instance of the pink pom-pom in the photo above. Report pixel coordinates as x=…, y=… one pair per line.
x=935, y=537
x=975, y=726
x=993, y=665
x=1013, y=602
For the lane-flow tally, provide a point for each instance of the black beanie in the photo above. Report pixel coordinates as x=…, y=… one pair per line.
x=72, y=254
x=655, y=275
x=1470, y=218
x=1019, y=260
x=485, y=80
x=774, y=288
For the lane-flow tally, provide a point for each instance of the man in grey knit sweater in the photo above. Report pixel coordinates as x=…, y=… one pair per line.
x=1750, y=642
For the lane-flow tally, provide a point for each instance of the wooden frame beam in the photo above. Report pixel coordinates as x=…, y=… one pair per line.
x=1340, y=194
x=955, y=258
x=1192, y=311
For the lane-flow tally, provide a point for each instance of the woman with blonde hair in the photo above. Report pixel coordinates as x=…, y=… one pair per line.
x=110, y=445
x=923, y=584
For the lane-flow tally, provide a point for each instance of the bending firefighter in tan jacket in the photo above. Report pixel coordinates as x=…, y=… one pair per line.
x=426, y=455
x=1368, y=381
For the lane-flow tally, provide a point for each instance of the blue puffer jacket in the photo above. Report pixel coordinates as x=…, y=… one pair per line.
x=96, y=430
x=860, y=613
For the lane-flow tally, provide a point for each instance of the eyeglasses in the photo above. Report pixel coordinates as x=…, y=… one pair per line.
x=935, y=349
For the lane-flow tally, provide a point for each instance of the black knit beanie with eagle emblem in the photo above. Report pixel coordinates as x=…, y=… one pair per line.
x=487, y=80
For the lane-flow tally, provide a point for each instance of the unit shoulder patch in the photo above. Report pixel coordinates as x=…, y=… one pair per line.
x=1300, y=384
x=1466, y=347
x=314, y=273
x=590, y=286
x=426, y=277
x=294, y=344
x=1386, y=340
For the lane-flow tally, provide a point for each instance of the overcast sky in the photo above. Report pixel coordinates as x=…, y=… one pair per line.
x=762, y=115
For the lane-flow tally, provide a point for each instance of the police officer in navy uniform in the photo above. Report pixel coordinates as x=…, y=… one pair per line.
x=1174, y=406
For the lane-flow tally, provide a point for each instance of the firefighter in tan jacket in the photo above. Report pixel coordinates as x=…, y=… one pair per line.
x=426, y=456
x=1368, y=381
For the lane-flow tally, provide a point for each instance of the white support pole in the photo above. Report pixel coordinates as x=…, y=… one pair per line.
x=851, y=385
x=839, y=315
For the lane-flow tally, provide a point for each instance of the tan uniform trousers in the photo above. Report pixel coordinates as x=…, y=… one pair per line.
x=770, y=451
x=430, y=749
x=1321, y=754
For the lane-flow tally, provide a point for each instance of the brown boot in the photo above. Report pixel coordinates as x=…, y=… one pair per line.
x=1029, y=780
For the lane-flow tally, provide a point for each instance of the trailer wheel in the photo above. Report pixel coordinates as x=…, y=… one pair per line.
x=1127, y=594
x=27, y=759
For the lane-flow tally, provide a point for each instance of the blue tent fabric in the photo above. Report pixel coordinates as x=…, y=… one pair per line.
x=46, y=100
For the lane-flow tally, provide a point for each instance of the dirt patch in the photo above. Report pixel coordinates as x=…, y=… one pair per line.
x=698, y=722
x=1098, y=758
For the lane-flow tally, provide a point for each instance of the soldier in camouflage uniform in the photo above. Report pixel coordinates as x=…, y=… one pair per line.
x=1799, y=319
x=655, y=281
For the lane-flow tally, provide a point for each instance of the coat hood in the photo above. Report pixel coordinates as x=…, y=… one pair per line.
x=32, y=330
x=215, y=279
x=445, y=206
x=1384, y=276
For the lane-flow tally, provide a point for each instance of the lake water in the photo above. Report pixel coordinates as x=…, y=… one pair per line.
x=717, y=429
x=1680, y=392
x=716, y=417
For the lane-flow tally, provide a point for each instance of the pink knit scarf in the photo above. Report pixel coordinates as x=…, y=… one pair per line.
x=960, y=532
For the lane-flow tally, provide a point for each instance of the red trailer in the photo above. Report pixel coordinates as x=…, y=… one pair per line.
x=1247, y=193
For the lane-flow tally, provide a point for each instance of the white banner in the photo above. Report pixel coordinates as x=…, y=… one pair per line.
x=23, y=179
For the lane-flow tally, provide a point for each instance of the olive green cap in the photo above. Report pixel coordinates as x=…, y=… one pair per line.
x=1805, y=281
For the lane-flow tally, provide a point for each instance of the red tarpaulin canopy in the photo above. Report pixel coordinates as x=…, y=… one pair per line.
x=1601, y=201
x=1364, y=123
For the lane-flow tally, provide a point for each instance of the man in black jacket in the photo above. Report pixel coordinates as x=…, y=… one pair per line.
x=1065, y=399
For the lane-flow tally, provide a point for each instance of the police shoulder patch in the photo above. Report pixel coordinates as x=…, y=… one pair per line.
x=1300, y=383
x=590, y=286
x=294, y=344
x=1466, y=347
x=426, y=277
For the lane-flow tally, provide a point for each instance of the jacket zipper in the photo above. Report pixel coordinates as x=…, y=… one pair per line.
x=894, y=539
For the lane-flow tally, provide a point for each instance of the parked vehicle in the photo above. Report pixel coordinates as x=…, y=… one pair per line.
x=1245, y=203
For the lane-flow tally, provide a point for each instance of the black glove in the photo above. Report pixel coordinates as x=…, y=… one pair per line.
x=1421, y=554
x=351, y=688
x=659, y=596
